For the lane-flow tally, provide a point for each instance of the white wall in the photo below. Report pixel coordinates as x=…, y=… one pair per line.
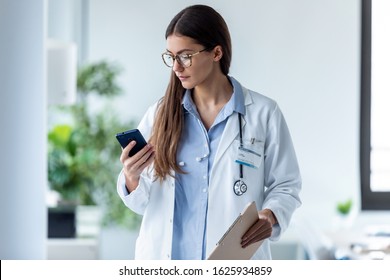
x=23, y=171
x=302, y=53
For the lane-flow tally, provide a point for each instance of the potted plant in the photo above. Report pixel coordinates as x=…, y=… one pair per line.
x=344, y=217
x=344, y=207
x=83, y=153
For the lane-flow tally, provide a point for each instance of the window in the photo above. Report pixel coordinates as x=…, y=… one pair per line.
x=375, y=105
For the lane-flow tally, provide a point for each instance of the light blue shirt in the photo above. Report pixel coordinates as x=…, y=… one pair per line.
x=195, y=155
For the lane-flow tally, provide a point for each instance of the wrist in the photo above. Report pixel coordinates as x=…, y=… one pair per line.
x=271, y=216
x=131, y=183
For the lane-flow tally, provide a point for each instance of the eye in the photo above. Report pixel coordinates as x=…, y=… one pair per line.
x=168, y=56
x=184, y=56
x=168, y=59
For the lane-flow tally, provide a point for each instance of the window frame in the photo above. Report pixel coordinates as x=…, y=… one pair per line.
x=370, y=200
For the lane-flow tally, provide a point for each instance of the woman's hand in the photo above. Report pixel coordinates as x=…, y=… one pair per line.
x=133, y=166
x=260, y=230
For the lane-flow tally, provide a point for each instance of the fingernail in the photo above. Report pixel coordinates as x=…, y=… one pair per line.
x=132, y=143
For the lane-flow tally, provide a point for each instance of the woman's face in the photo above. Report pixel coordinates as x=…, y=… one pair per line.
x=203, y=64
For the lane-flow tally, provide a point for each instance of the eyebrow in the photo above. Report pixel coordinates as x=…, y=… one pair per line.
x=183, y=50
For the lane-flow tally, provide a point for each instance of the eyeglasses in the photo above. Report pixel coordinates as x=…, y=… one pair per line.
x=185, y=60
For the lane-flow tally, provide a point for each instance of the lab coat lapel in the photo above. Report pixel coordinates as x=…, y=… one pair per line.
x=232, y=130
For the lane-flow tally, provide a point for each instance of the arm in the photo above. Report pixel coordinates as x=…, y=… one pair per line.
x=282, y=181
x=135, y=165
x=135, y=178
x=282, y=175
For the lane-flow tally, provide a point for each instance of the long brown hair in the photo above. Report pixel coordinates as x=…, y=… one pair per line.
x=207, y=27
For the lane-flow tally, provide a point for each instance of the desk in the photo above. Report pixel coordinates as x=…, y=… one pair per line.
x=361, y=244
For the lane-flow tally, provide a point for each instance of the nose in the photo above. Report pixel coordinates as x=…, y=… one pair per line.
x=177, y=66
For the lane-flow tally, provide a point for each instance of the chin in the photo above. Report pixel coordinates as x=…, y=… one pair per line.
x=187, y=85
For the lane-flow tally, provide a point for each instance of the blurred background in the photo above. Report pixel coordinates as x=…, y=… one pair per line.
x=73, y=73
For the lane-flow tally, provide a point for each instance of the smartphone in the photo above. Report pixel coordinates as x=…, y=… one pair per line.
x=124, y=138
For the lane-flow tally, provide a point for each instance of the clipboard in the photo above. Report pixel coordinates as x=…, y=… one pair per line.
x=229, y=246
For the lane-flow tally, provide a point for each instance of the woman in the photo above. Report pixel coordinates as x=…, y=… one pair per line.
x=194, y=177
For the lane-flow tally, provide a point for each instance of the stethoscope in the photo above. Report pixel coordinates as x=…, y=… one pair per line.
x=239, y=186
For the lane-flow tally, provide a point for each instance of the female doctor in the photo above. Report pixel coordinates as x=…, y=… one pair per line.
x=214, y=146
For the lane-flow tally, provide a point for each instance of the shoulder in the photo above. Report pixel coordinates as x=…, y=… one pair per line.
x=260, y=108
x=258, y=102
x=261, y=100
x=254, y=98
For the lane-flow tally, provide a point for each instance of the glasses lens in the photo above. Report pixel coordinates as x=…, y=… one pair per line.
x=168, y=59
x=184, y=60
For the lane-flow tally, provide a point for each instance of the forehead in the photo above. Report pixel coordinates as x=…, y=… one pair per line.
x=177, y=43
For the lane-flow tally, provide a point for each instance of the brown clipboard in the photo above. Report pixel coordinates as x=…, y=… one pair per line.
x=229, y=246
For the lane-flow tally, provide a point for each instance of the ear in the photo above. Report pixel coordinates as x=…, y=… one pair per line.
x=218, y=53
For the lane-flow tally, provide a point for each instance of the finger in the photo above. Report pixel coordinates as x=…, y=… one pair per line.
x=260, y=232
x=140, y=162
x=263, y=235
x=148, y=161
x=138, y=156
x=136, y=164
x=261, y=229
x=126, y=150
x=253, y=229
x=148, y=147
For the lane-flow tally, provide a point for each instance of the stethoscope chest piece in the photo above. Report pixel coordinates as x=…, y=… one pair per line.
x=239, y=187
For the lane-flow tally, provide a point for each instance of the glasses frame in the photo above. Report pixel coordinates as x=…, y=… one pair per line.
x=174, y=57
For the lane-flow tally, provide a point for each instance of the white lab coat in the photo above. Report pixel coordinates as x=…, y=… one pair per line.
x=279, y=172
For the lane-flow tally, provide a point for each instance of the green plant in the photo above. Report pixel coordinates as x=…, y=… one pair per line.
x=69, y=166
x=83, y=155
x=344, y=207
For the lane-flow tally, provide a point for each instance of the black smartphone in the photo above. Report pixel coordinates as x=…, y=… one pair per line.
x=124, y=138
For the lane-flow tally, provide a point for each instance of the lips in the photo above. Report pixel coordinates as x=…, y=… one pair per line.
x=183, y=78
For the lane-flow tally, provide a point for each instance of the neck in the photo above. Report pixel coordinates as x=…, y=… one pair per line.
x=214, y=93
x=210, y=97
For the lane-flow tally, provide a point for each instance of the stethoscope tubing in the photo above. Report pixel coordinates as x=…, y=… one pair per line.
x=239, y=187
